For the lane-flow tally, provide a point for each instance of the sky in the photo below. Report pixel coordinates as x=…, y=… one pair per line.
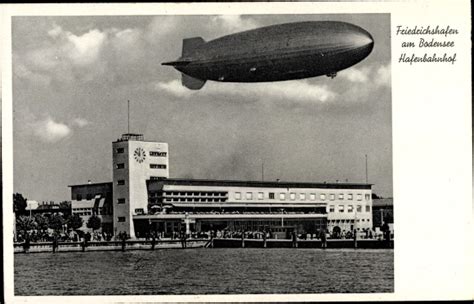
x=72, y=77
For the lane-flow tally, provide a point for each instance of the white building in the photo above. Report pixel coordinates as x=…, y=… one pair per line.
x=134, y=162
x=144, y=197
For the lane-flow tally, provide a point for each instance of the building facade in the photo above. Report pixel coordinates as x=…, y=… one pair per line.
x=307, y=208
x=93, y=199
x=144, y=198
x=134, y=162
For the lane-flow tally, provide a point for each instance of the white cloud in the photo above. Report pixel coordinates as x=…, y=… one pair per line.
x=299, y=91
x=80, y=122
x=233, y=23
x=85, y=48
x=55, y=31
x=383, y=75
x=50, y=131
x=174, y=88
x=356, y=75
x=378, y=75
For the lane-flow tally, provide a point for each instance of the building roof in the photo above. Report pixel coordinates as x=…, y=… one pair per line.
x=158, y=184
x=91, y=184
x=382, y=202
x=88, y=203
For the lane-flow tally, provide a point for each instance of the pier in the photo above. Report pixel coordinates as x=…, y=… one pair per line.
x=199, y=243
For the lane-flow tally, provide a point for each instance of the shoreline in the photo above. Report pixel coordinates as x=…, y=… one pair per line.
x=201, y=243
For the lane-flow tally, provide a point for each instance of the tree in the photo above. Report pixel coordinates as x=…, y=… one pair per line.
x=25, y=223
x=56, y=222
x=94, y=222
x=42, y=222
x=74, y=222
x=19, y=204
x=375, y=196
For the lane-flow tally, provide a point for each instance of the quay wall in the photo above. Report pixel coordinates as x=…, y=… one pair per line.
x=272, y=243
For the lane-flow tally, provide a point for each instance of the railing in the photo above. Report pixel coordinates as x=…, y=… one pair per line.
x=108, y=245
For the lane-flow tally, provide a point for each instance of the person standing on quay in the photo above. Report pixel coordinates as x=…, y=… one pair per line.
x=323, y=239
x=55, y=242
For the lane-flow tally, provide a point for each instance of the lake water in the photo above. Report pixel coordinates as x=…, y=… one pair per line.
x=205, y=271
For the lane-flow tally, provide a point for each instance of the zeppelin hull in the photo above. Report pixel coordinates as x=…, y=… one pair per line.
x=277, y=53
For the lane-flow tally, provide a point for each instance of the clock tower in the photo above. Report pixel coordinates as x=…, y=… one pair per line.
x=134, y=162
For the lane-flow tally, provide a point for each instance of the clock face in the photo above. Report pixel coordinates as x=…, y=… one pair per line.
x=139, y=155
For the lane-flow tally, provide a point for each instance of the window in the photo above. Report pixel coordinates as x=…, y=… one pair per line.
x=340, y=208
x=121, y=182
x=120, y=150
x=248, y=195
x=350, y=208
x=312, y=196
x=331, y=208
x=158, y=153
x=238, y=195
x=120, y=166
x=367, y=208
x=359, y=197
x=350, y=196
x=302, y=196
x=89, y=196
x=367, y=197
x=120, y=201
x=139, y=211
x=157, y=166
x=292, y=196
x=359, y=208
x=322, y=196
x=341, y=196
x=271, y=195
x=282, y=196
x=121, y=219
x=260, y=195
x=79, y=197
x=332, y=196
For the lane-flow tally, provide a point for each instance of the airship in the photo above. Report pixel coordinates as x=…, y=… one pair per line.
x=274, y=53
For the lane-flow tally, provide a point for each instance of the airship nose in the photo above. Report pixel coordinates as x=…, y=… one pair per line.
x=362, y=39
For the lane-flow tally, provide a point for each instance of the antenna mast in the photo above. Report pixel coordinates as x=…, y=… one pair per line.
x=128, y=117
x=366, y=171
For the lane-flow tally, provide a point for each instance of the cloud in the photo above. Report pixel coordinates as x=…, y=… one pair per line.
x=301, y=91
x=50, y=131
x=63, y=56
x=383, y=75
x=233, y=23
x=355, y=74
x=378, y=75
x=85, y=49
x=80, y=122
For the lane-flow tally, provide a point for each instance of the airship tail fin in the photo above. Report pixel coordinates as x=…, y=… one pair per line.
x=191, y=82
x=189, y=44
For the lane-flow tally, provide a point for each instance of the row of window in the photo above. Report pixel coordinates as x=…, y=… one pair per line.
x=81, y=209
x=157, y=166
x=152, y=166
x=350, y=208
x=347, y=221
x=89, y=196
x=177, y=193
x=83, y=213
x=206, y=200
x=152, y=153
x=301, y=196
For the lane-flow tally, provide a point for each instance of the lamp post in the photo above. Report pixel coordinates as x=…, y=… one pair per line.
x=281, y=210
